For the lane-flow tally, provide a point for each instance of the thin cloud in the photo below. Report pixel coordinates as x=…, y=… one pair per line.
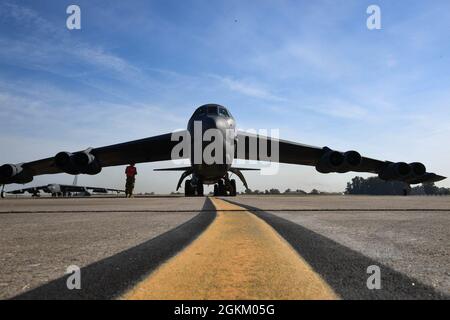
x=51, y=48
x=341, y=109
x=247, y=88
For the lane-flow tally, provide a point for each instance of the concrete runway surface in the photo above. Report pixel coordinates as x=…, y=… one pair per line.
x=247, y=247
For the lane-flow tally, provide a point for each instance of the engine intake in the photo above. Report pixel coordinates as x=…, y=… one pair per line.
x=353, y=159
x=64, y=161
x=76, y=163
x=331, y=161
x=335, y=161
x=14, y=173
x=418, y=169
x=396, y=171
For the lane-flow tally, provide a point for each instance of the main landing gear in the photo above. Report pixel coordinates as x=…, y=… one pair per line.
x=191, y=191
x=225, y=187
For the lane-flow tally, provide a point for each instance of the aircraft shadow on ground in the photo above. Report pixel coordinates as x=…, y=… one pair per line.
x=344, y=269
x=108, y=278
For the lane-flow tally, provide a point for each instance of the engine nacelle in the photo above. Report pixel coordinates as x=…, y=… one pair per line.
x=396, y=171
x=352, y=160
x=76, y=163
x=14, y=173
x=418, y=169
x=331, y=161
x=64, y=161
x=335, y=161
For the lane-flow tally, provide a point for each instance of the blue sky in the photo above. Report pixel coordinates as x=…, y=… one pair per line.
x=309, y=68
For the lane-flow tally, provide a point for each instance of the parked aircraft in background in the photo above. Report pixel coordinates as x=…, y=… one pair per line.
x=62, y=190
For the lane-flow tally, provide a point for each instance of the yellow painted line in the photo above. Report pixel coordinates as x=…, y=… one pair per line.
x=239, y=256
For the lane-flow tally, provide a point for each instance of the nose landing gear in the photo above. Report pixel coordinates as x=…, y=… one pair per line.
x=225, y=187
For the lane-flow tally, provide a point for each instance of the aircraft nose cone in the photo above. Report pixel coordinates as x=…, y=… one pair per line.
x=214, y=123
x=209, y=123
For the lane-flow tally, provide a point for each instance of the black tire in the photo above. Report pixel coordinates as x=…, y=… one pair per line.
x=200, y=189
x=187, y=188
x=233, y=188
x=222, y=191
x=216, y=190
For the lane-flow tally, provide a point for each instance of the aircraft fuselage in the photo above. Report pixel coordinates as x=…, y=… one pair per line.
x=217, y=119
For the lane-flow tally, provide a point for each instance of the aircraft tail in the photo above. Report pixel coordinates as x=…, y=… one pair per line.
x=75, y=180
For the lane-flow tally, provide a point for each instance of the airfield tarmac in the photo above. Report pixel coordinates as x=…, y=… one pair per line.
x=254, y=247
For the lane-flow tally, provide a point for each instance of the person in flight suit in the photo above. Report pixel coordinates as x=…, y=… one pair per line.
x=131, y=173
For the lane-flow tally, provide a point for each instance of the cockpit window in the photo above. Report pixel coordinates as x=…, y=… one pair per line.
x=199, y=111
x=212, y=110
x=223, y=112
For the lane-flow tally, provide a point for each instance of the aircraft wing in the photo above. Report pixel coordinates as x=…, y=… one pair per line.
x=326, y=160
x=92, y=160
x=72, y=188
x=29, y=190
x=103, y=190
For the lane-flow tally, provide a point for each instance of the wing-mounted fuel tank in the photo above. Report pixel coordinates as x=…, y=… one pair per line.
x=335, y=161
x=15, y=173
x=80, y=162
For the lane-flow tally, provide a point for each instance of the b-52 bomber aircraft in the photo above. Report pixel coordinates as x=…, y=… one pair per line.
x=232, y=144
x=62, y=190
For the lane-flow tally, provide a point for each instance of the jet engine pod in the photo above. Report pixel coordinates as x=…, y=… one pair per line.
x=86, y=162
x=331, y=161
x=64, y=161
x=8, y=171
x=396, y=171
x=352, y=159
x=83, y=159
x=76, y=163
x=14, y=173
x=418, y=169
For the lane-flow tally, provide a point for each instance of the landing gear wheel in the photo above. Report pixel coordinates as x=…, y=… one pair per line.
x=233, y=188
x=188, y=190
x=200, y=189
x=222, y=191
x=216, y=190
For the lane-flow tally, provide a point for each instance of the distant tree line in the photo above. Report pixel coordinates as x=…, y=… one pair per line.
x=377, y=186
